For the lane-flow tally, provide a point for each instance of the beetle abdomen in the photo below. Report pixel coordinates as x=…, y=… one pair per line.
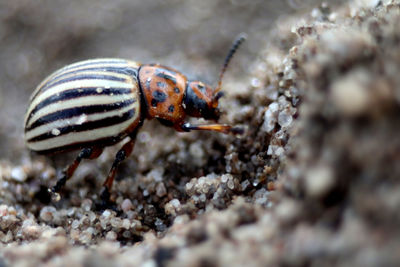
x=86, y=103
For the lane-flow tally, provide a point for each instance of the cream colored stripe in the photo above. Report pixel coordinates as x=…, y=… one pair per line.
x=100, y=64
x=101, y=61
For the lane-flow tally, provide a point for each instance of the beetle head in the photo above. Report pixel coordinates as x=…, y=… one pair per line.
x=200, y=99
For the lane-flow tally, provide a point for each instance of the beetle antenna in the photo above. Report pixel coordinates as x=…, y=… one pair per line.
x=235, y=45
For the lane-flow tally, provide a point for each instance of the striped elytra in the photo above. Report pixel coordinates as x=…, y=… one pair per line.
x=83, y=104
x=96, y=103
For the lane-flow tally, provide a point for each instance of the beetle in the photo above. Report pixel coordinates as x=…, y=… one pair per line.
x=96, y=103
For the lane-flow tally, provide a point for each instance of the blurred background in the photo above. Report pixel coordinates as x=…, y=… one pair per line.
x=38, y=37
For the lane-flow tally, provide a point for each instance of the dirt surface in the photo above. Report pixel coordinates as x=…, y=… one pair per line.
x=314, y=181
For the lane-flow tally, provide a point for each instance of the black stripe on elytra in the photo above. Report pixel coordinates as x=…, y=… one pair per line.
x=90, y=125
x=76, y=93
x=166, y=76
x=77, y=111
x=158, y=97
x=85, y=76
x=132, y=72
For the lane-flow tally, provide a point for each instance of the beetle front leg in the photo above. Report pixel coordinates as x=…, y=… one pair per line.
x=121, y=155
x=86, y=153
x=222, y=128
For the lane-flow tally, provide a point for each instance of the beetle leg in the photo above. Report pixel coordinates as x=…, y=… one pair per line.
x=86, y=153
x=222, y=128
x=121, y=155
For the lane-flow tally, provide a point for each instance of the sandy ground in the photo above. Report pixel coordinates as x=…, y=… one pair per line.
x=314, y=181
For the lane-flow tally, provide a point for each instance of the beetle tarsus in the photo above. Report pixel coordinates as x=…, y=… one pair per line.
x=54, y=191
x=55, y=197
x=60, y=183
x=105, y=194
x=86, y=153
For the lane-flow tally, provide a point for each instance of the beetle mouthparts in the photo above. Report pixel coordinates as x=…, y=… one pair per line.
x=54, y=195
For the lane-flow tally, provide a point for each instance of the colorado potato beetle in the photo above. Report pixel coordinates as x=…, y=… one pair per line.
x=96, y=103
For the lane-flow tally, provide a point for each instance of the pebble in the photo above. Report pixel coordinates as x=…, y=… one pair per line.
x=275, y=151
x=47, y=213
x=350, y=94
x=31, y=231
x=245, y=184
x=261, y=196
x=156, y=175
x=75, y=224
x=270, y=117
x=319, y=180
x=161, y=190
x=126, y=205
x=287, y=211
x=18, y=174
x=111, y=236
x=116, y=222
x=285, y=118
x=160, y=226
x=126, y=224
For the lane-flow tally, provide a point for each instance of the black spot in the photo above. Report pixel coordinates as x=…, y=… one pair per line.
x=176, y=90
x=154, y=103
x=171, y=108
x=166, y=76
x=159, y=96
x=161, y=84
